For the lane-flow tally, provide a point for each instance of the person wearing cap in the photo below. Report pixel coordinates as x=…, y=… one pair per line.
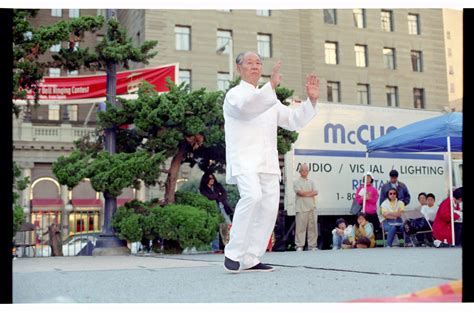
x=371, y=198
x=402, y=189
x=442, y=230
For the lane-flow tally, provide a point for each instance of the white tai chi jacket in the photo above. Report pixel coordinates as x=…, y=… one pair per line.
x=251, y=117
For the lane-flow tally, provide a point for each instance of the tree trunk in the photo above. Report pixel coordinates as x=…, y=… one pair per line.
x=170, y=185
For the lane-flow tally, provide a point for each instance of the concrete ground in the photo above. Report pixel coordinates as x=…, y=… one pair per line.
x=319, y=276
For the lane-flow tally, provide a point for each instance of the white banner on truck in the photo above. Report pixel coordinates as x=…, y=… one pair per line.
x=333, y=145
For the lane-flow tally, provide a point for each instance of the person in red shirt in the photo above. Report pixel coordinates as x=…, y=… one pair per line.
x=442, y=223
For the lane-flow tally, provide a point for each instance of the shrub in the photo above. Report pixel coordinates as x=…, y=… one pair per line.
x=18, y=218
x=190, y=226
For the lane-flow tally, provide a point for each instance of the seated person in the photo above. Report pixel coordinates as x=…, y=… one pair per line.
x=429, y=210
x=364, y=229
x=390, y=214
x=342, y=235
x=213, y=190
x=442, y=231
x=363, y=243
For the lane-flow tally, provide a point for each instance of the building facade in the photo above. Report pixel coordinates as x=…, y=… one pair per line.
x=453, y=36
x=382, y=57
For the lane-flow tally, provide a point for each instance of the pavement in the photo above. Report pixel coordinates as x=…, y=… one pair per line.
x=308, y=277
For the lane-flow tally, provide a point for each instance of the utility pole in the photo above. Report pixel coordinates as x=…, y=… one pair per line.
x=108, y=244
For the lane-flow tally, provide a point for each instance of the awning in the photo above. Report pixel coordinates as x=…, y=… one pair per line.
x=47, y=202
x=122, y=201
x=86, y=202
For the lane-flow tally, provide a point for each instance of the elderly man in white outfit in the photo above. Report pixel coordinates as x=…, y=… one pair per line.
x=252, y=116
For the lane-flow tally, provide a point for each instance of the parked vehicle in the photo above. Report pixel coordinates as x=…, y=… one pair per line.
x=333, y=145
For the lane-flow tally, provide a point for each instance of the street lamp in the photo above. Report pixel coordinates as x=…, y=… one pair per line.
x=231, y=56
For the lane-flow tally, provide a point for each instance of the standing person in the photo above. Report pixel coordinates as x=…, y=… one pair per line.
x=442, y=230
x=305, y=207
x=371, y=200
x=402, y=189
x=252, y=116
x=213, y=190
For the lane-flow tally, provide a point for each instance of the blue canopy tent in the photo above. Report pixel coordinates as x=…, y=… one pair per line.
x=438, y=134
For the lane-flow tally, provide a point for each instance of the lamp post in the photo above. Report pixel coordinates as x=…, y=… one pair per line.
x=221, y=50
x=107, y=243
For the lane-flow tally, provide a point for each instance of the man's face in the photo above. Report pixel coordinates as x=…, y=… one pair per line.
x=430, y=201
x=304, y=172
x=393, y=179
x=422, y=200
x=251, y=68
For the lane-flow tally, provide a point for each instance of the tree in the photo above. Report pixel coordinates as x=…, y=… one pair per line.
x=30, y=44
x=109, y=173
x=19, y=184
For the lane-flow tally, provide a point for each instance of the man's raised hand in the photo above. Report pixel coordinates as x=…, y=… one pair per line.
x=275, y=77
x=312, y=88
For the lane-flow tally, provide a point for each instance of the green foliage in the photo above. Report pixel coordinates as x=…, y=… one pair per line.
x=19, y=184
x=71, y=169
x=127, y=224
x=18, y=218
x=190, y=226
x=233, y=195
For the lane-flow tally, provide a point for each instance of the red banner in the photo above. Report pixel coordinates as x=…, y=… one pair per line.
x=94, y=86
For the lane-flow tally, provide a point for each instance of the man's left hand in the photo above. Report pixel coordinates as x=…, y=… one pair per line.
x=312, y=88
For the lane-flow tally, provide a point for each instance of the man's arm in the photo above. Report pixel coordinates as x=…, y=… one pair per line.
x=294, y=119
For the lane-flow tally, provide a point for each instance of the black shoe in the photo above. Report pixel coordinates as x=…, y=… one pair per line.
x=260, y=268
x=231, y=266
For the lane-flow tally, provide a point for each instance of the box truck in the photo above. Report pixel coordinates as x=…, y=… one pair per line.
x=333, y=146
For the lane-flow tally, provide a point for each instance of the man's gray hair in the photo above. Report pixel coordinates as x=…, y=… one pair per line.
x=240, y=57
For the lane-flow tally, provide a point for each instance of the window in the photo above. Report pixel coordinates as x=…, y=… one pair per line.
x=264, y=42
x=392, y=96
x=451, y=70
x=102, y=12
x=416, y=61
x=330, y=16
x=389, y=58
x=54, y=72
x=73, y=73
x=413, y=24
x=183, y=37
x=450, y=52
x=361, y=55
x=448, y=34
x=363, y=93
x=57, y=12
x=185, y=77
x=72, y=112
x=73, y=13
x=55, y=48
x=223, y=81
x=418, y=98
x=386, y=20
x=53, y=112
x=223, y=38
x=330, y=52
x=359, y=17
x=451, y=88
x=263, y=12
x=333, y=92
x=224, y=10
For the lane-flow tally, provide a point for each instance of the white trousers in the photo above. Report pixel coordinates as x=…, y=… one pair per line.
x=254, y=218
